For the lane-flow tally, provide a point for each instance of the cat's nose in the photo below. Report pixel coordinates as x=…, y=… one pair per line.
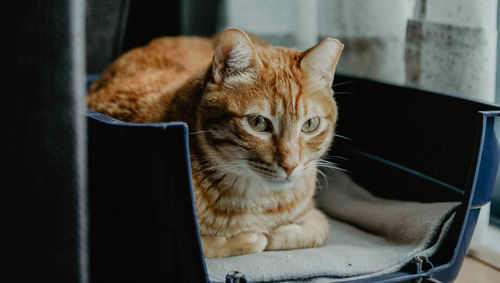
x=288, y=168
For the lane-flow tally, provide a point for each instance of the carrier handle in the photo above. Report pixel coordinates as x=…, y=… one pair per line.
x=488, y=154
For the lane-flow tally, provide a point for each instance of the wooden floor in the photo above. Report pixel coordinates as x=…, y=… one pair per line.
x=475, y=271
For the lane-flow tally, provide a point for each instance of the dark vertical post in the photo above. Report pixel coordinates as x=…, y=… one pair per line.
x=43, y=234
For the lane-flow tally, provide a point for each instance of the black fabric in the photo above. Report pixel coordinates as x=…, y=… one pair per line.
x=148, y=19
x=200, y=17
x=105, y=27
x=116, y=26
x=42, y=152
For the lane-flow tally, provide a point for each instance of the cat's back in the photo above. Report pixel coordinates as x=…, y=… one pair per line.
x=139, y=85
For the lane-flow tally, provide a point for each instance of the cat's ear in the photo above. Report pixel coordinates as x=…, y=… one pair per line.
x=320, y=61
x=234, y=54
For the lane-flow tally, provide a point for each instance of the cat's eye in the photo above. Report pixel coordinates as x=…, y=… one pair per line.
x=310, y=125
x=259, y=123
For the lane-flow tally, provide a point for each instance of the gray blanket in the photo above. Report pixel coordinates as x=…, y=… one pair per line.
x=368, y=236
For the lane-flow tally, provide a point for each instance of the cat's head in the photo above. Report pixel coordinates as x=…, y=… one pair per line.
x=268, y=113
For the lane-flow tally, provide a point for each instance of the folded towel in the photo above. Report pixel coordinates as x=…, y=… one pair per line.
x=369, y=236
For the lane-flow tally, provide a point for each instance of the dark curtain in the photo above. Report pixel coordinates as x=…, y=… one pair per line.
x=43, y=153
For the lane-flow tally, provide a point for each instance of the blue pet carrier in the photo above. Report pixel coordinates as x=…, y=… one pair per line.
x=143, y=225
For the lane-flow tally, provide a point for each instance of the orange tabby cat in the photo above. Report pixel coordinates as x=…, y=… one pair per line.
x=261, y=117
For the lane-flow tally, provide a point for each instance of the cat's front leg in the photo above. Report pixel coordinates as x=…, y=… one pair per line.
x=244, y=243
x=309, y=230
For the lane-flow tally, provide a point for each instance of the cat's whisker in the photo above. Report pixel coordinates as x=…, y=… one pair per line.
x=329, y=165
x=226, y=168
x=205, y=169
x=324, y=177
x=264, y=172
x=343, y=83
x=335, y=168
x=341, y=157
x=214, y=173
x=342, y=137
x=334, y=157
x=230, y=168
x=343, y=92
x=219, y=169
x=198, y=132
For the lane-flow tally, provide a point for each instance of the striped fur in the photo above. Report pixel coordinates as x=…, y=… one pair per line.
x=253, y=190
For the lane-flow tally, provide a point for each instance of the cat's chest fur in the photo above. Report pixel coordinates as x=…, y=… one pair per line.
x=227, y=210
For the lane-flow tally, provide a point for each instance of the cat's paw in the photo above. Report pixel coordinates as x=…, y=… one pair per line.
x=286, y=237
x=244, y=243
x=295, y=236
x=249, y=243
